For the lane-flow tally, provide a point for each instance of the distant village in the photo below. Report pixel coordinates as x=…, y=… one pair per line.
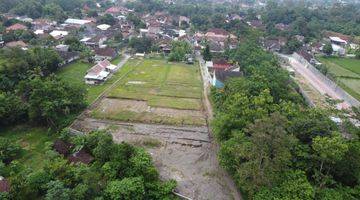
x=162, y=28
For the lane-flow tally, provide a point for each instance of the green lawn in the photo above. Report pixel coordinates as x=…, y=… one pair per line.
x=347, y=73
x=116, y=60
x=32, y=140
x=172, y=93
x=158, y=82
x=347, y=63
x=75, y=72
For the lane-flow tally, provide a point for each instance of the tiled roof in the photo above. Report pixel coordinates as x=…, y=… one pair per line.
x=15, y=27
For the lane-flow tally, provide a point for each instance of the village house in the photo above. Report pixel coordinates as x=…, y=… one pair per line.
x=58, y=34
x=80, y=22
x=19, y=43
x=256, y=24
x=64, y=148
x=282, y=27
x=43, y=24
x=338, y=45
x=95, y=42
x=218, y=64
x=219, y=35
x=16, y=27
x=99, y=72
x=184, y=20
x=68, y=57
x=103, y=27
x=104, y=53
x=117, y=10
x=220, y=76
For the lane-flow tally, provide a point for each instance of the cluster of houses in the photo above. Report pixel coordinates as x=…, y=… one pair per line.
x=91, y=33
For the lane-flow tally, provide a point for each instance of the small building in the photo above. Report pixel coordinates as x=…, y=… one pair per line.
x=62, y=47
x=62, y=147
x=337, y=41
x=97, y=41
x=16, y=27
x=103, y=27
x=58, y=34
x=221, y=65
x=19, y=43
x=68, y=57
x=221, y=76
x=99, y=72
x=80, y=22
x=104, y=53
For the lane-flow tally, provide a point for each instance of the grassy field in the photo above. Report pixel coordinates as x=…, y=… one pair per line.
x=156, y=91
x=33, y=142
x=75, y=72
x=162, y=84
x=346, y=71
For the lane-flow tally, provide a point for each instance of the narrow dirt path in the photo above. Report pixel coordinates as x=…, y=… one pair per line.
x=209, y=115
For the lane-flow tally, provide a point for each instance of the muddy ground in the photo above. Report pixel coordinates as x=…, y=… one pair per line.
x=185, y=154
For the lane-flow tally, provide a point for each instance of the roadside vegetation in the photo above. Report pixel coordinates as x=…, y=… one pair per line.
x=275, y=146
x=345, y=71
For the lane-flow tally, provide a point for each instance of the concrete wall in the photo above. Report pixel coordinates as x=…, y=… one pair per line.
x=342, y=93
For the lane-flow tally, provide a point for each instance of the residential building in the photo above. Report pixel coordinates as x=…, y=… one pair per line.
x=99, y=72
x=16, y=27
x=104, y=53
x=220, y=76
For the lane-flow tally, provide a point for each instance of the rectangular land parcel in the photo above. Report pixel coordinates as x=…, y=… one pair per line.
x=155, y=91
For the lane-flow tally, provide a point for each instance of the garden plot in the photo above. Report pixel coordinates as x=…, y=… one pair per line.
x=347, y=73
x=156, y=92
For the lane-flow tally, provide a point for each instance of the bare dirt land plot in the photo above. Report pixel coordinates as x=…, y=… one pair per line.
x=184, y=154
x=128, y=110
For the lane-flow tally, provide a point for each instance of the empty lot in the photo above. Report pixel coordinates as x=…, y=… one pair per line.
x=155, y=92
x=158, y=105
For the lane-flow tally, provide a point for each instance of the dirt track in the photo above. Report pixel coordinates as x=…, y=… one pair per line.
x=185, y=154
x=316, y=82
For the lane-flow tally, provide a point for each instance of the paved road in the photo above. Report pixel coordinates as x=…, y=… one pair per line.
x=317, y=82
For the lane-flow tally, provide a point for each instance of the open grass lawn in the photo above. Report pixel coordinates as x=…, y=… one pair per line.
x=156, y=91
x=346, y=71
x=162, y=84
x=75, y=72
x=351, y=64
x=32, y=140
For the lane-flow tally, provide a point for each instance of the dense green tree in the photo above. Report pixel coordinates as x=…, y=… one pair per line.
x=57, y=191
x=258, y=157
x=294, y=186
x=107, y=19
x=179, y=50
x=141, y=45
x=357, y=53
x=328, y=150
x=327, y=49
x=8, y=150
x=207, y=54
x=50, y=100
x=126, y=189
x=12, y=110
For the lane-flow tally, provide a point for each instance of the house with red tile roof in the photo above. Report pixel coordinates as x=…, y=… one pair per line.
x=16, y=27
x=99, y=72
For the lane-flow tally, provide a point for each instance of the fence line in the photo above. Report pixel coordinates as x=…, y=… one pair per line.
x=342, y=93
